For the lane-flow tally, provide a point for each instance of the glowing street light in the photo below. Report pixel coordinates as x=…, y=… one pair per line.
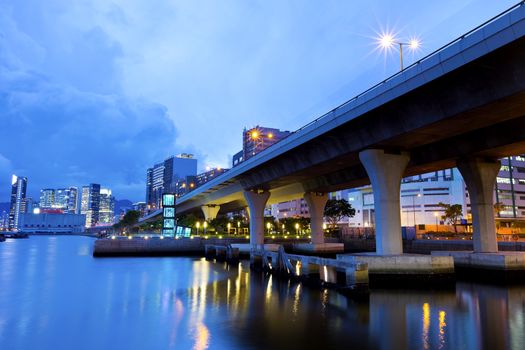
x=436, y=216
x=297, y=228
x=205, y=225
x=268, y=225
x=414, y=208
x=229, y=227
x=387, y=41
x=197, y=225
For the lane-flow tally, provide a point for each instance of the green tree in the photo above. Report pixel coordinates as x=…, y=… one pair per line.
x=219, y=224
x=130, y=219
x=187, y=220
x=336, y=209
x=453, y=212
x=289, y=224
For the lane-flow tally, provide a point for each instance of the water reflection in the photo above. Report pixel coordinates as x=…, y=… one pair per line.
x=70, y=300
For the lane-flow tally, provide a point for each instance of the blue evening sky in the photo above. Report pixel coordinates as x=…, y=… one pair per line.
x=97, y=91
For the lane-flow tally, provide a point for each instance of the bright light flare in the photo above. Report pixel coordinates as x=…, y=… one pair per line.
x=386, y=41
x=414, y=44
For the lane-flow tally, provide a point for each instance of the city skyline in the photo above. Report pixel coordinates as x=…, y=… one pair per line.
x=102, y=127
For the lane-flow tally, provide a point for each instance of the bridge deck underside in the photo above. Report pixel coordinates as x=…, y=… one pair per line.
x=475, y=110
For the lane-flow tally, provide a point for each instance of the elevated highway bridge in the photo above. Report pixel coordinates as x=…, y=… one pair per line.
x=463, y=105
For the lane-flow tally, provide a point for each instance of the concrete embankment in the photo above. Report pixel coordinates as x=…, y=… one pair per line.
x=424, y=246
x=167, y=247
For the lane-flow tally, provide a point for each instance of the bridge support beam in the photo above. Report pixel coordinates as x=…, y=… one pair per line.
x=480, y=178
x=210, y=211
x=385, y=172
x=256, y=204
x=316, y=203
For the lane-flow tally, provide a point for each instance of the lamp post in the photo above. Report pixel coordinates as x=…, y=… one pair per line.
x=268, y=225
x=297, y=228
x=387, y=41
x=436, y=216
x=197, y=225
x=229, y=227
x=205, y=225
x=238, y=227
x=283, y=229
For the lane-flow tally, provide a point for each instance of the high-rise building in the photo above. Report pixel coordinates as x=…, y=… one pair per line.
x=91, y=204
x=47, y=198
x=255, y=140
x=61, y=198
x=4, y=220
x=140, y=206
x=29, y=205
x=72, y=200
x=18, y=196
x=185, y=185
x=162, y=178
x=107, y=207
x=510, y=189
x=66, y=199
x=209, y=175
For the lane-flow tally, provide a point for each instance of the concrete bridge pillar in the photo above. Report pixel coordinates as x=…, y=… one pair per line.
x=210, y=211
x=480, y=178
x=385, y=172
x=256, y=204
x=316, y=203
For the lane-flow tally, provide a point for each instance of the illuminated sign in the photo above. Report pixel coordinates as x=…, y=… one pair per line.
x=168, y=213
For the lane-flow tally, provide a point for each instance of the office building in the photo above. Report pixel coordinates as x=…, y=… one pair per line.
x=17, y=200
x=47, y=198
x=510, y=189
x=28, y=205
x=209, y=175
x=162, y=177
x=237, y=158
x=294, y=208
x=66, y=199
x=140, y=207
x=255, y=140
x=72, y=200
x=107, y=207
x=90, y=204
x=4, y=220
x=420, y=198
x=185, y=185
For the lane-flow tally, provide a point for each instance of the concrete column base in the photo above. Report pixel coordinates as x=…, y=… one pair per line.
x=210, y=211
x=316, y=203
x=325, y=248
x=502, y=261
x=385, y=172
x=402, y=264
x=480, y=178
x=256, y=202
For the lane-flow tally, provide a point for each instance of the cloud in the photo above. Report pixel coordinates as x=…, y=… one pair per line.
x=69, y=129
x=92, y=90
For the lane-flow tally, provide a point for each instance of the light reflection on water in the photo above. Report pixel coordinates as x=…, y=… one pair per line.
x=54, y=295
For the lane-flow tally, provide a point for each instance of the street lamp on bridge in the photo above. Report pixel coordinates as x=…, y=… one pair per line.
x=387, y=41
